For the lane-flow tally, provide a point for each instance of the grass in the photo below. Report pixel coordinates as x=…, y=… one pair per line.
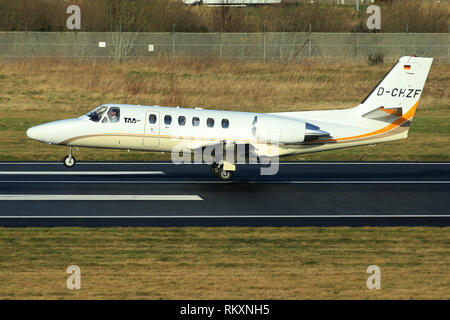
x=216, y=263
x=165, y=15
x=225, y=263
x=41, y=90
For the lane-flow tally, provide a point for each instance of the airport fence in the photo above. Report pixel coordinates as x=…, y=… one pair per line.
x=286, y=47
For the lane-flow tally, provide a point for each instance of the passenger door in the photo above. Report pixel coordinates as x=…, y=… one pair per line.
x=151, y=129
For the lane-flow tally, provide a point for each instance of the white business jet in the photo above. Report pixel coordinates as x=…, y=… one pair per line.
x=384, y=115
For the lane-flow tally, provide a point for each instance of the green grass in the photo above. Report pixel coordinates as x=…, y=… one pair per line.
x=38, y=91
x=225, y=263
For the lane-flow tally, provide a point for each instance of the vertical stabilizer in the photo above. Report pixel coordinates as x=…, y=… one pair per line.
x=400, y=90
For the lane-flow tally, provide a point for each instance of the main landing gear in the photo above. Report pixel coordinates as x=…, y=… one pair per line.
x=223, y=171
x=69, y=161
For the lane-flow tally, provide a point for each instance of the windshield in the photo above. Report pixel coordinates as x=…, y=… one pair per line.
x=96, y=114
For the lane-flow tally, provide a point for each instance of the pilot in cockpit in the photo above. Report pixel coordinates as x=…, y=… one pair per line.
x=113, y=117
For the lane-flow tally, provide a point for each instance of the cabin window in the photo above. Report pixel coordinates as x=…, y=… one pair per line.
x=195, y=121
x=167, y=120
x=225, y=123
x=181, y=120
x=105, y=119
x=114, y=114
x=96, y=114
x=210, y=122
x=152, y=118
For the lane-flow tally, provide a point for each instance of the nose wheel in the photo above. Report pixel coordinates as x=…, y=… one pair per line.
x=69, y=161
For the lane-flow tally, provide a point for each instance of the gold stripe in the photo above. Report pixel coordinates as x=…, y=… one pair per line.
x=397, y=123
x=408, y=116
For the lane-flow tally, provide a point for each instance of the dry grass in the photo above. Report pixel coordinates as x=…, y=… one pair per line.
x=161, y=15
x=225, y=263
x=37, y=91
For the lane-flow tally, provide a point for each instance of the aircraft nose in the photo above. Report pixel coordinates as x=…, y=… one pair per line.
x=38, y=133
x=54, y=132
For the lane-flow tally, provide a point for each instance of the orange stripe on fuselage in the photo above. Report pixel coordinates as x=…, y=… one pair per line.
x=389, y=127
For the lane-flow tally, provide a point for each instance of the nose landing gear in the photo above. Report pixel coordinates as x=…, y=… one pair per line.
x=69, y=161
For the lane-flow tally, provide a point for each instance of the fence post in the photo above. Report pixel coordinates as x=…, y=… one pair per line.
x=173, y=40
x=221, y=45
x=27, y=47
x=309, y=44
x=448, y=43
x=243, y=50
x=405, y=43
x=264, y=44
x=76, y=43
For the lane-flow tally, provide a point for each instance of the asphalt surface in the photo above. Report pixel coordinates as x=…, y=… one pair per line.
x=164, y=194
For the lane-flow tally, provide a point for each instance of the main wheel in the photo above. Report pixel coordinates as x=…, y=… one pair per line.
x=225, y=175
x=69, y=161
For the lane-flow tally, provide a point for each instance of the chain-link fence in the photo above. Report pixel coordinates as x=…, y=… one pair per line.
x=284, y=47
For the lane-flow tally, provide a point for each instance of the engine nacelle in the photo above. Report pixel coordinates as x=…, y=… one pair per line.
x=276, y=129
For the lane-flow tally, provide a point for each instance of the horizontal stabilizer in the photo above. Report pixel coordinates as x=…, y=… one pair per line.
x=384, y=114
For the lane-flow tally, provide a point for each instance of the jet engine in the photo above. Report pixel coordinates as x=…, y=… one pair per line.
x=275, y=129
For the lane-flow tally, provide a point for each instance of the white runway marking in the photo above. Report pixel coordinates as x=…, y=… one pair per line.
x=280, y=163
x=235, y=182
x=234, y=216
x=63, y=173
x=367, y=182
x=99, y=197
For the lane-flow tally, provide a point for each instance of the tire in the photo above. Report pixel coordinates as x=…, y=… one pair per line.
x=69, y=162
x=225, y=175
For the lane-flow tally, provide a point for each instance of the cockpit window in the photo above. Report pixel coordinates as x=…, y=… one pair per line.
x=114, y=114
x=99, y=113
x=96, y=114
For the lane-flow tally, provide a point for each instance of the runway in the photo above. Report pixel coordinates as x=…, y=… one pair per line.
x=165, y=194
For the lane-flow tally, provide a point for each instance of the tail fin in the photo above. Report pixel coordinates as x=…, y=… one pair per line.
x=398, y=93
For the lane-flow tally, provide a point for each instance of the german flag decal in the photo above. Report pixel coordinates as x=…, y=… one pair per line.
x=407, y=67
